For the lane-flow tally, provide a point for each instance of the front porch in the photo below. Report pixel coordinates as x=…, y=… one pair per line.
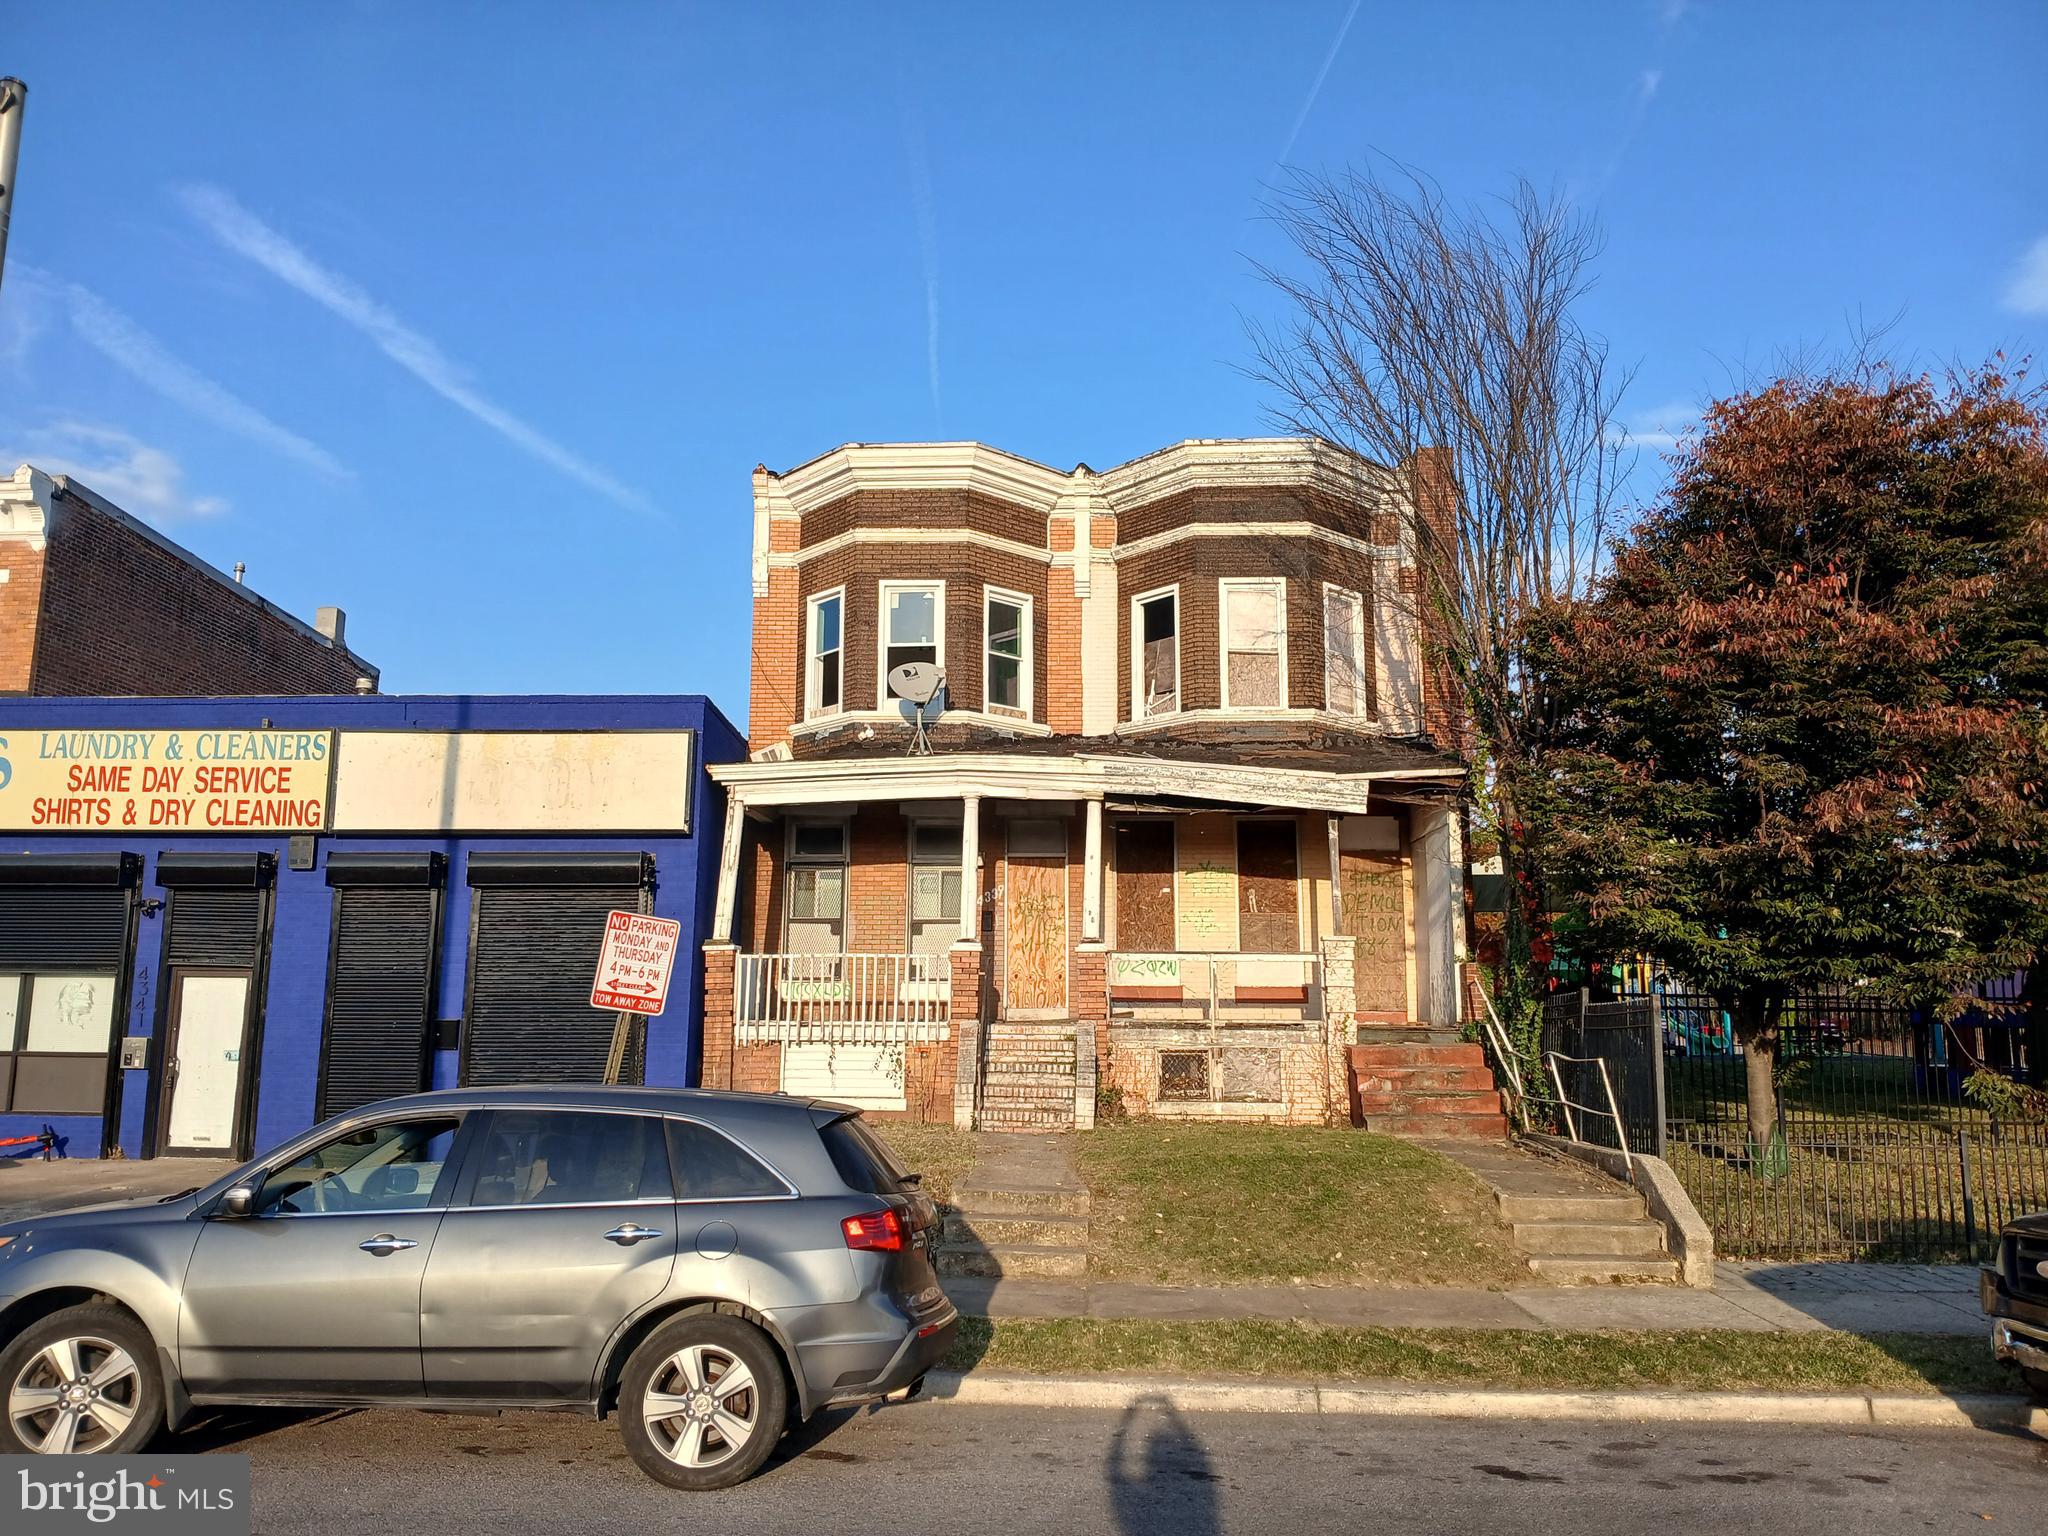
x=1043, y=951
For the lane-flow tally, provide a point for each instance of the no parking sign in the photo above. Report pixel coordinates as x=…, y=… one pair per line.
x=634, y=965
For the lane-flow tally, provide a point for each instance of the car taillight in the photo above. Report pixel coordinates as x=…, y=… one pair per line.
x=881, y=1231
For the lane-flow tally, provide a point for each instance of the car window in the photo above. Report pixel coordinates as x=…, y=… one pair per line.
x=711, y=1166
x=388, y=1167
x=865, y=1161
x=556, y=1157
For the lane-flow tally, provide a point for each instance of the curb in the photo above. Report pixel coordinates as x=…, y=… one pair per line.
x=1302, y=1397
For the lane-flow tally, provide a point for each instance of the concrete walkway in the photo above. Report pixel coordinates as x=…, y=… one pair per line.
x=1751, y=1298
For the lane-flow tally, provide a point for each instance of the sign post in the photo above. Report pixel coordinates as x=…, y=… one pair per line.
x=633, y=969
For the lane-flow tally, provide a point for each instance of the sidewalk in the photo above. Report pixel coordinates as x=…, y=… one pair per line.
x=30, y=1186
x=1751, y=1298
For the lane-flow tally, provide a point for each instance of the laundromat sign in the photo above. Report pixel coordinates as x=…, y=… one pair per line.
x=195, y=780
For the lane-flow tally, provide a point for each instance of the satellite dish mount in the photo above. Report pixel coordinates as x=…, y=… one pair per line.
x=917, y=683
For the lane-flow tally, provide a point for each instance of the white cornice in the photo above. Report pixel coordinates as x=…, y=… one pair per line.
x=909, y=466
x=1087, y=776
x=1255, y=530
x=25, y=506
x=787, y=558
x=1246, y=463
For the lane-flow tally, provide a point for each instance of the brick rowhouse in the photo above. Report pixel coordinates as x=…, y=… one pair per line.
x=94, y=601
x=1189, y=819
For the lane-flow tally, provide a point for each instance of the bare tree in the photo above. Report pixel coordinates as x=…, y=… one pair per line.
x=1445, y=343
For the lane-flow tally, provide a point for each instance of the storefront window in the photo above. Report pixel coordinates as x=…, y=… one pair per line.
x=46, y=1015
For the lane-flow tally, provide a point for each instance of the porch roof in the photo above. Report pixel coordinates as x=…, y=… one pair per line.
x=1093, y=768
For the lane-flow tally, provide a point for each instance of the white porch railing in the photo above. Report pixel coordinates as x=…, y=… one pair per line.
x=1216, y=980
x=841, y=999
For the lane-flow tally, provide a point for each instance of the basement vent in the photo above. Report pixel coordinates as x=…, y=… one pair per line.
x=1183, y=1075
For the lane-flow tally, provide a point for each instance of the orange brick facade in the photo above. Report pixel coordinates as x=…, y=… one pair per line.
x=96, y=603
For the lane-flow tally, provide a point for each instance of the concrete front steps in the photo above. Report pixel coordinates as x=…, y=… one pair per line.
x=1429, y=1087
x=1027, y=1078
x=1571, y=1225
x=1021, y=1211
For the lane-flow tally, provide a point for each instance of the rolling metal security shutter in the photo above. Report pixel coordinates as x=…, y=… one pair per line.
x=533, y=957
x=210, y=927
x=380, y=992
x=63, y=930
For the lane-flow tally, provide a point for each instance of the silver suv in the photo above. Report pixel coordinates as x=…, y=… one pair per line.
x=708, y=1266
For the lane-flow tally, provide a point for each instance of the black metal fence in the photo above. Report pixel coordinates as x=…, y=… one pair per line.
x=1879, y=1152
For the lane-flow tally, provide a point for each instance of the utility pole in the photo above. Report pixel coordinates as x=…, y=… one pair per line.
x=13, y=102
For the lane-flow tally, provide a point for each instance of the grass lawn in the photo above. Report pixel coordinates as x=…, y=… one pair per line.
x=1701, y=1361
x=939, y=1152
x=1258, y=1204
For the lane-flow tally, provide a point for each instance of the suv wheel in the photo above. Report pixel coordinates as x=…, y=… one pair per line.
x=702, y=1401
x=81, y=1381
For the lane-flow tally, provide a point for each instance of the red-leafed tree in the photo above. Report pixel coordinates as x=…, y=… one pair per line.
x=1797, y=736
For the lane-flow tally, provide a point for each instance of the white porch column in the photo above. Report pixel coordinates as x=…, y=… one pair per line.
x=728, y=868
x=970, y=864
x=1091, y=876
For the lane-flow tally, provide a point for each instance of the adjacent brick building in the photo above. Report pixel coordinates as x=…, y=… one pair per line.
x=1189, y=812
x=94, y=601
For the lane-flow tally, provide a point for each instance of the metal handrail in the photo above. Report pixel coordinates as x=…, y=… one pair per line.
x=1503, y=1052
x=1552, y=1058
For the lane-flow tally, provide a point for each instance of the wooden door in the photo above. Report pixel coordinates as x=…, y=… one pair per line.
x=1035, y=946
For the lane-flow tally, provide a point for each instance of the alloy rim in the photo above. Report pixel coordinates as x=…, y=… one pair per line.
x=701, y=1406
x=74, y=1397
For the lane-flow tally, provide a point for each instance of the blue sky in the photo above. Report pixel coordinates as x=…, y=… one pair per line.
x=474, y=319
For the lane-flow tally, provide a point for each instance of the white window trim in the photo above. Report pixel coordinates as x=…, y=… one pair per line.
x=1361, y=692
x=813, y=672
x=1180, y=696
x=938, y=589
x=793, y=861
x=1022, y=602
x=1224, y=587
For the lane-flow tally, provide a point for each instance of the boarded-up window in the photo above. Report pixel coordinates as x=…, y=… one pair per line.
x=1254, y=645
x=1375, y=879
x=1268, y=888
x=1144, y=885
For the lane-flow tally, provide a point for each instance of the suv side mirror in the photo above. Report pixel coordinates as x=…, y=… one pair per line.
x=237, y=1202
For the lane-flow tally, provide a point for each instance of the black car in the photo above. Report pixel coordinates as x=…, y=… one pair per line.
x=2014, y=1291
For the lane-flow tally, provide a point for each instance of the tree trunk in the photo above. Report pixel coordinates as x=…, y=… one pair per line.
x=2035, y=996
x=1756, y=1029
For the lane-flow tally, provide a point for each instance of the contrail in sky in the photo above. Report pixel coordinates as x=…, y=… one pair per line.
x=928, y=248
x=1316, y=90
x=245, y=234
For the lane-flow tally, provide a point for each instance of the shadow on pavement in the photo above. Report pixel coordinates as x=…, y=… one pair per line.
x=228, y=1429
x=1160, y=1476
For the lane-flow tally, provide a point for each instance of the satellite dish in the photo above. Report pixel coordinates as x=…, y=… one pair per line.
x=917, y=681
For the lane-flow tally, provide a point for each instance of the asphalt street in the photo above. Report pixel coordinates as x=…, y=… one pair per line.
x=945, y=1467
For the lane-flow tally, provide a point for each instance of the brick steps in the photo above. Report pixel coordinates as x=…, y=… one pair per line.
x=1425, y=1088
x=1027, y=1079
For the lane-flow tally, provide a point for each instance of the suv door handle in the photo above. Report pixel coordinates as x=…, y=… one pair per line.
x=384, y=1244
x=632, y=1232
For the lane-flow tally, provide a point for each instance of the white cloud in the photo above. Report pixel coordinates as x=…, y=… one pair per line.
x=1658, y=428
x=136, y=477
x=136, y=352
x=2028, y=290
x=245, y=234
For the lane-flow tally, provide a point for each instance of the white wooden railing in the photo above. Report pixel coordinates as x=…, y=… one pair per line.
x=1216, y=979
x=841, y=999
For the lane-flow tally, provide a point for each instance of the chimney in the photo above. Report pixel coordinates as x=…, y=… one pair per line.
x=332, y=623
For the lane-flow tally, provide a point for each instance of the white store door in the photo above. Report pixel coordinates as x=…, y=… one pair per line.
x=209, y=1020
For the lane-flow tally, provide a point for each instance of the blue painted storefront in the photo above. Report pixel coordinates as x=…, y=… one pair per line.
x=293, y=985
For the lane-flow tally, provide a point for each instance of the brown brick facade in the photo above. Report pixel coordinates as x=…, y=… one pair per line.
x=107, y=607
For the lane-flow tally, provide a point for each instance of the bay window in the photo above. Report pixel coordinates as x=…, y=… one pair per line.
x=1006, y=653
x=913, y=627
x=1254, y=626
x=824, y=651
x=1155, y=653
